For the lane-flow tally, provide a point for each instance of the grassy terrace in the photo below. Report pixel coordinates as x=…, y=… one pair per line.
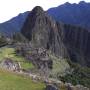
x=12, y=81
x=6, y=52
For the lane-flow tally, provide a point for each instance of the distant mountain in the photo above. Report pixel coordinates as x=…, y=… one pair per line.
x=14, y=24
x=76, y=14
x=64, y=40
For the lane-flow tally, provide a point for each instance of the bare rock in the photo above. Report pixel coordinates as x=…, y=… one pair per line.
x=51, y=87
x=10, y=65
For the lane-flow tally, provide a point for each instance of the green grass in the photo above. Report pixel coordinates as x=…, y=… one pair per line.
x=12, y=81
x=27, y=65
x=6, y=52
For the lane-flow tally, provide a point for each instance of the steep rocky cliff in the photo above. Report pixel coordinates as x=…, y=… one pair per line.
x=65, y=41
x=77, y=41
x=42, y=31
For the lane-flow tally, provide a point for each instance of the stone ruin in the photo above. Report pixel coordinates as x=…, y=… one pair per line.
x=9, y=64
x=41, y=59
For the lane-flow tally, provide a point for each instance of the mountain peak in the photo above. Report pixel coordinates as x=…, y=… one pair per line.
x=67, y=3
x=82, y=2
x=42, y=31
x=37, y=10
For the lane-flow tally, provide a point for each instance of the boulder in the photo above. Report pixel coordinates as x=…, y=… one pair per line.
x=9, y=64
x=51, y=87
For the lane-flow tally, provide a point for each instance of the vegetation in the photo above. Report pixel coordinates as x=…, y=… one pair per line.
x=7, y=52
x=80, y=75
x=12, y=81
x=2, y=40
x=18, y=37
x=60, y=66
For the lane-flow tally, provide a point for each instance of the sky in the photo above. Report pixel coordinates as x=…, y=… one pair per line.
x=11, y=8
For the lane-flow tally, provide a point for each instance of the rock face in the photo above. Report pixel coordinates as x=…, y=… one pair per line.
x=42, y=31
x=77, y=41
x=63, y=40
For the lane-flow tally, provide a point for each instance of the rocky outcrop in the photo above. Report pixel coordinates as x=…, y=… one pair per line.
x=42, y=31
x=65, y=41
x=51, y=87
x=10, y=65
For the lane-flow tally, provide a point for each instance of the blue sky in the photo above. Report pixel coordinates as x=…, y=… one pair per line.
x=11, y=8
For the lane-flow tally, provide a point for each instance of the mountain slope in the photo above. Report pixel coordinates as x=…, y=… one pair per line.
x=13, y=25
x=64, y=40
x=76, y=14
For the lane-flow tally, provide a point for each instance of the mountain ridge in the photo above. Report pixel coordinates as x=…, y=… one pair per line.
x=75, y=14
x=59, y=13
x=13, y=25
